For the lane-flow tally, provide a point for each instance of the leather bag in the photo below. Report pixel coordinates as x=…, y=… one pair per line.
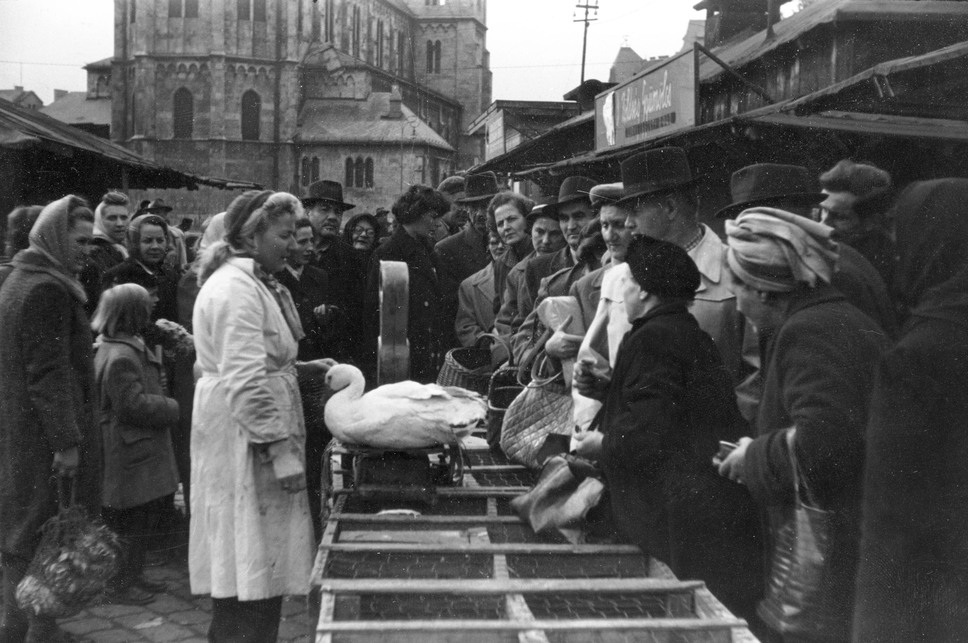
x=568, y=488
x=543, y=407
x=803, y=597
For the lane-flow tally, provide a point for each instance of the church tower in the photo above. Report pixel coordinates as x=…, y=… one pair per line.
x=451, y=57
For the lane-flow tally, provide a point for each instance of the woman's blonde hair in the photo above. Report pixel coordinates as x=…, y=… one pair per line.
x=248, y=215
x=122, y=310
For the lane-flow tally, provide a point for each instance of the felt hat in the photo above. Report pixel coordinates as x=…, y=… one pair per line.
x=479, y=187
x=545, y=207
x=771, y=184
x=330, y=191
x=653, y=171
x=575, y=188
x=158, y=206
x=452, y=187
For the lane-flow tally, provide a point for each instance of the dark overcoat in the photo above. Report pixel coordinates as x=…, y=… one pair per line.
x=47, y=401
x=912, y=581
x=423, y=320
x=669, y=403
x=346, y=281
x=164, y=279
x=309, y=291
x=458, y=257
x=101, y=257
x=135, y=418
x=818, y=376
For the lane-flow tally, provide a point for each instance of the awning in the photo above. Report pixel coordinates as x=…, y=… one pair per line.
x=22, y=130
x=877, y=124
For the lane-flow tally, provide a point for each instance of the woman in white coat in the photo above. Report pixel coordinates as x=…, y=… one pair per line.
x=251, y=538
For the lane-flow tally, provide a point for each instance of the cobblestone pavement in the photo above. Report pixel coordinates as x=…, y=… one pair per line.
x=174, y=615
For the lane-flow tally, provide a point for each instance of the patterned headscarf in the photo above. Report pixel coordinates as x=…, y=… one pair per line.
x=50, y=239
x=774, y=250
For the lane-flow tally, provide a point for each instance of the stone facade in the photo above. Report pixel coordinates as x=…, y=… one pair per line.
x=230, y=88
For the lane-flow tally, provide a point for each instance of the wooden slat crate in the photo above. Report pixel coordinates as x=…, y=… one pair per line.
x=466, y=568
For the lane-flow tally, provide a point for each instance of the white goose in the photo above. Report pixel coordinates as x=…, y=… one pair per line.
x=405, y=415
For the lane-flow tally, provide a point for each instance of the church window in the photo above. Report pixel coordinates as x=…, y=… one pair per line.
x=259, y=10
x=401, y=44
x=430, y=57
x=183, y=113
x=368, y=173
x=243, y=9
x=330, y=21
x=304, y=171
x=316, y=21
x=437, y=57
x=131, y=14
x=369, y=40
x=348, y=179
x=174, y=8
x=356, y=31
x=251, y=113
x=191, y=8
x=359, y=172
x=379, y=43
x=315, y=171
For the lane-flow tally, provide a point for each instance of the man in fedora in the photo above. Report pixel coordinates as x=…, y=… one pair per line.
x=660, y=195
x=794, y=189
x=547, y=240
x=461, y=255
x=324, y=207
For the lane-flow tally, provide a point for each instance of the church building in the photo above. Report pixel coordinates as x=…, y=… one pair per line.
x=377, y=94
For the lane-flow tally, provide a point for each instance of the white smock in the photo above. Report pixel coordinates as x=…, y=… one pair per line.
x=249, y=538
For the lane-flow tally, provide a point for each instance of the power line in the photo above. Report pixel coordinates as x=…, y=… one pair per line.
x=26, y=62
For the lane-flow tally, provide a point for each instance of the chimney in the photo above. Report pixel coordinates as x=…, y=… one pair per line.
x=726, y=19
x=59, y=94
x=18, y=88
x=395, y=112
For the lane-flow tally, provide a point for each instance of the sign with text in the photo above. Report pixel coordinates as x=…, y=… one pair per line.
x=655, y=103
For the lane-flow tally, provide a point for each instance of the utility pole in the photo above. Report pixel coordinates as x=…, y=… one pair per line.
x=584, y=42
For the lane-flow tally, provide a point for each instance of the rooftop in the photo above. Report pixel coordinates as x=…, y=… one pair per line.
x=77, y=109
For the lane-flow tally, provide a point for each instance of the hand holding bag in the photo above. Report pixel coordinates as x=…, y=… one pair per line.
x=803, y=596
x=568, y=488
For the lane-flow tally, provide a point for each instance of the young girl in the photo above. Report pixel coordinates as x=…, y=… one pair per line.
x=135, y=417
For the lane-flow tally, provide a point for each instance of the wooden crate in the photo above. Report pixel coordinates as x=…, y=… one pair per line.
x=468, y=569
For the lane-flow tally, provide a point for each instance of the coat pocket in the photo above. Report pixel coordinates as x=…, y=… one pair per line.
x=138, y=447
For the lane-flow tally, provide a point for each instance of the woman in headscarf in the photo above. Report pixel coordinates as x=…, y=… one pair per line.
x=912, y=582
x=46, y=397
x=361, y=232
x=148, y=242
x=107, y=249
x=818, y=354
x=250, y=539
x=17, y=235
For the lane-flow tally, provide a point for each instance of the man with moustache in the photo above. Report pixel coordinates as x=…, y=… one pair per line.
x=324, y=208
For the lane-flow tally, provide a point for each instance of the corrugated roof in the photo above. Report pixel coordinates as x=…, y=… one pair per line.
x=77, y=109
x=339, y=121
x=746, y=51
x=23, y=128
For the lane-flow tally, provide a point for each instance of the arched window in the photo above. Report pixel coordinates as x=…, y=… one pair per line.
x=430, y=57
x=251, y=112
x=243, y=9
x=134, y=9
x=174, y=8
x=348, y=180
x=304, y=171
x=183, y=114
x=315, y=171
x=368, y=172
x=259, y=10
x=359, y=178
x=191, y=8
x=437, y=57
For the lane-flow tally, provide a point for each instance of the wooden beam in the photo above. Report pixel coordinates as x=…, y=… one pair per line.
x=422, y=519
x=563, y=625
x=495, y=548
x=463, y=587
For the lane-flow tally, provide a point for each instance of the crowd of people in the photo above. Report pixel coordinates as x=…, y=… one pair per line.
x=812, y=356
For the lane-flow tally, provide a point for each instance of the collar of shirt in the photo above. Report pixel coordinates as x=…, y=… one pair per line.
x=708, y=255
x=294, y=272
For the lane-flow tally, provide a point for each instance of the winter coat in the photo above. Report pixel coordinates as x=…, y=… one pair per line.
x=536, y=270
x=135, y=419
x=346, y=280
x=102, y=256
x=423, y=320
x=163, y=277
x=249, y=537
x=515, y=254
x=458, y=257
x=817, y=376
x=309, y=291
x=669, y=403
x=47, y=398
x=509, y=317
x=475, y=314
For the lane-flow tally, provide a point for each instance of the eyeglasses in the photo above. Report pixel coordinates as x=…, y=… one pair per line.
x=364, y=232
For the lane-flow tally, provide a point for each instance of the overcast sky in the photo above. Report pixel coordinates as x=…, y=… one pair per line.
x=535, y=45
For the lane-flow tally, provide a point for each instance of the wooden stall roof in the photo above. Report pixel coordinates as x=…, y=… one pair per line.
x=22, y=129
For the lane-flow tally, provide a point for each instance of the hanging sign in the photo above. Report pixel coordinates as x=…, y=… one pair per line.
x=652, y=104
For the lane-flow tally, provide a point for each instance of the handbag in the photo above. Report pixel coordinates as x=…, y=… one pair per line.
x=543, y=407
x=502, y=388
x=568, y=488
x=468, y=367
x=76, y=557
x=803, y=595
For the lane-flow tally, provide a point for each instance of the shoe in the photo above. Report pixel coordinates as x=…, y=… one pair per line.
x=129, y=596
x=153, y=586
